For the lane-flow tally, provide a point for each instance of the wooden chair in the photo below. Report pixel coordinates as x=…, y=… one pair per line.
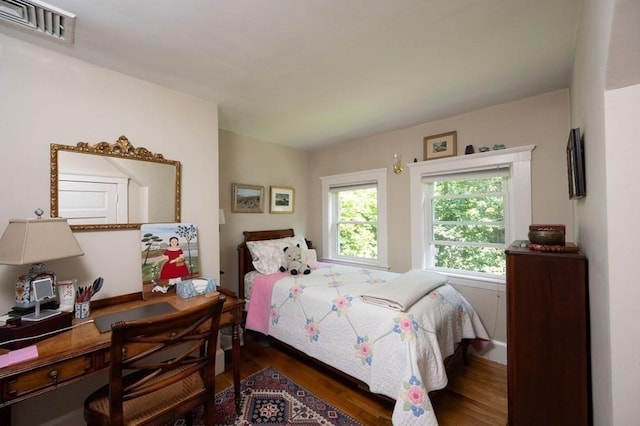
x=161, y=369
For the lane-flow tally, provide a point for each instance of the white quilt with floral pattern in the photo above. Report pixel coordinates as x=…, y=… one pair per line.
x=397, y=354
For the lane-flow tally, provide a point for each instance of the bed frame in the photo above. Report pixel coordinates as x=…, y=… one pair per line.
x=245, y=265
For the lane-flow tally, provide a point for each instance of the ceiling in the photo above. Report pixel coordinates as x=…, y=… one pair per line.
x=304, y=73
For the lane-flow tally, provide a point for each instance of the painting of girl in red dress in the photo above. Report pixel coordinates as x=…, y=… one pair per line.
x=169, y=255
x=174, y=265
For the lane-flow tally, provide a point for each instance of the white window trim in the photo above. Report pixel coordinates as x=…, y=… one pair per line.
x=380, y=177
x=517, y=159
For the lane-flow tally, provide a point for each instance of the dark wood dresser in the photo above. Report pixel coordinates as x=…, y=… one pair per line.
x=548, y=363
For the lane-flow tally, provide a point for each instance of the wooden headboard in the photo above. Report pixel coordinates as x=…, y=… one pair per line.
x=245, y=263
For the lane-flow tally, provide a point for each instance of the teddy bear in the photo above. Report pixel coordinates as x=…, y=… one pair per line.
x=293, y=261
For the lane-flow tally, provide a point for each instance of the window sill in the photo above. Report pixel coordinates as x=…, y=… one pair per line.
x=495, y=284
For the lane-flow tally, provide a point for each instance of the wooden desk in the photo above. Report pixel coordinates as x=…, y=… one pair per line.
x=83, y=351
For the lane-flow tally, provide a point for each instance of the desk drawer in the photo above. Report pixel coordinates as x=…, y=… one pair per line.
x=45, y=377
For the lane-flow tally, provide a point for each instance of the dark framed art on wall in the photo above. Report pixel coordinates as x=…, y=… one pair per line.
x=247, y=198
x=441, y=145
x=575, y=165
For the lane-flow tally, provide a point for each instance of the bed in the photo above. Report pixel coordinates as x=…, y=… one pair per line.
x=396, y=351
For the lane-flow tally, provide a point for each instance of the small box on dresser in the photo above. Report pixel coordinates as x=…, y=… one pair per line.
x=548, y=353
x=28, y=333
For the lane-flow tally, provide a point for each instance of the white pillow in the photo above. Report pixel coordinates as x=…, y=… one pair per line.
x=268, y=255
x=309, y=257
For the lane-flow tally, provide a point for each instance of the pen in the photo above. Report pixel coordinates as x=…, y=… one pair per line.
x=84, y=294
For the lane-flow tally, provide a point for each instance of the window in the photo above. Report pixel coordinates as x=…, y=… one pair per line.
x=356, y=221
x=354, y=218
x=465, y=210
x=466, y=221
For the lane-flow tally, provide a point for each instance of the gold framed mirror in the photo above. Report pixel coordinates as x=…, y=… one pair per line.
x=113, y=186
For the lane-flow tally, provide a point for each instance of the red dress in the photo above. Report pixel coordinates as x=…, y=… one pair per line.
x=174, y=269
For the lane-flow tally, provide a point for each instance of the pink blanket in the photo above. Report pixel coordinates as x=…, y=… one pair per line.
x=260, y=305
x=259, y=312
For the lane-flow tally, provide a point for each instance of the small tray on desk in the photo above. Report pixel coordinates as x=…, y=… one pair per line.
x=34, y=331
x=24, y=310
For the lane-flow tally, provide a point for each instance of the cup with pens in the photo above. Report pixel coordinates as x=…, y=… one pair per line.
x=83, y=298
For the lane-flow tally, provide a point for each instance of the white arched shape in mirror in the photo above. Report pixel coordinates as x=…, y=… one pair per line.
x=113, y=186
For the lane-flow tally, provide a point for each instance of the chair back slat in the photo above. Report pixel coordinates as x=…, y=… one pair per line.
x=168, y=356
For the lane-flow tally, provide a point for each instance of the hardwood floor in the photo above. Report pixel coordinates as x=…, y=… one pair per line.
x=476, y=394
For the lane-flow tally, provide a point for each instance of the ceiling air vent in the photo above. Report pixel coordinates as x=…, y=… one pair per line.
x=40, y=17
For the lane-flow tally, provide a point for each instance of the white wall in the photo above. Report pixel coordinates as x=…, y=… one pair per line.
x=623, y=204
x=255, y=162
x=607, y=57
x=541, y=120
x=587, y=112
x=50, y=98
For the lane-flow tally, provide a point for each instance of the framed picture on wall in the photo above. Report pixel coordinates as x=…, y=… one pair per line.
x=282, y=199
x=247, y=198
x=440, y=146
x=575, y=165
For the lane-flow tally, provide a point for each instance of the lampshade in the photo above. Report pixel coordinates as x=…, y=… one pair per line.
x=27, y=241
x=221, y=217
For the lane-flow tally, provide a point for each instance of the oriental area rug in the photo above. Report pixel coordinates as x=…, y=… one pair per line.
x=270, y=398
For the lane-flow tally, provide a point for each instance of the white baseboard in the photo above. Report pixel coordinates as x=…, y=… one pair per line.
x=496, y=352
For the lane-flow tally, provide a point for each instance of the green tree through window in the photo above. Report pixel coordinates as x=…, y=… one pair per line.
x=357, y=223
x=354, y=218
x=468, y=224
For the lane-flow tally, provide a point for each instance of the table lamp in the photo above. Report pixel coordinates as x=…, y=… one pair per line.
x=31, y=242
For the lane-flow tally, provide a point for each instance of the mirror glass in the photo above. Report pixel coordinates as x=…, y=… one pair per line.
x=113, y=186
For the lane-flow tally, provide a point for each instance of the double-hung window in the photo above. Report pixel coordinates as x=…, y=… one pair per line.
x=354, y=218
x=467, y=221
x=465, y=211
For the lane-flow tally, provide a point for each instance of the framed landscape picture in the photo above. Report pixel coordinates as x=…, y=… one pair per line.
x=440, y=146
x=282, y=199
x=247, y=198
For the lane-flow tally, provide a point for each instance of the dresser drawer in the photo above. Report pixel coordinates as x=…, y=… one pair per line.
x=46, y=377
